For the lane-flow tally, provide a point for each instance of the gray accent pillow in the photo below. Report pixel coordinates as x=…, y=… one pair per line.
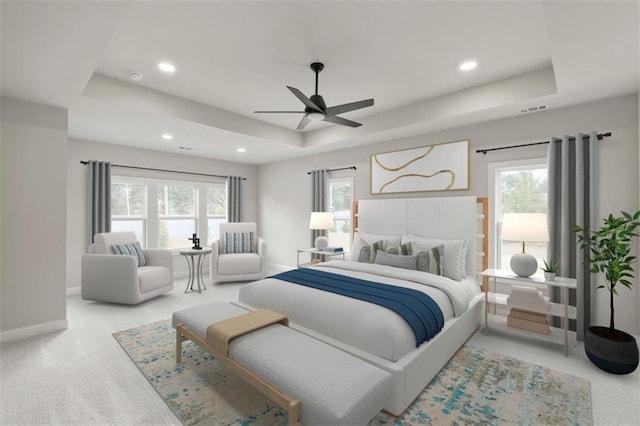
x=402, y=249
x=396, y=260
x=133, y=249
x=429, y=260
x=368, y=251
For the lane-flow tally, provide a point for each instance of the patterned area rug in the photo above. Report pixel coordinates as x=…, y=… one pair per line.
x=475, y=387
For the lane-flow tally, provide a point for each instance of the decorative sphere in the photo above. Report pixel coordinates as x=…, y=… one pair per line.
x=523, y=264
x=322, y=243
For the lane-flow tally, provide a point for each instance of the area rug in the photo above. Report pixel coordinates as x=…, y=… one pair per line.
x=475, y=387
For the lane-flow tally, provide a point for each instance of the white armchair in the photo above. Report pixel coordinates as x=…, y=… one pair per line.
x=107, y=277
x=238, y=266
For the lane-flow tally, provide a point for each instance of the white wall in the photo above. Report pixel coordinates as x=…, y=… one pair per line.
x=33, y=237
x=77, y=187
x=285, y=187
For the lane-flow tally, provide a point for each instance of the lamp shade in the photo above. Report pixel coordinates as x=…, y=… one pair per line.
x=321, y=220
x=529, y=227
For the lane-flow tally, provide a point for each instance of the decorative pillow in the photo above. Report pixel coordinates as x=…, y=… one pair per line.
x=238, y=242
x=396, y=260
x=367, y=253
x=429, y=260
x=402, y=249
x=363, y=237
x=133, y=249
x=455, y=254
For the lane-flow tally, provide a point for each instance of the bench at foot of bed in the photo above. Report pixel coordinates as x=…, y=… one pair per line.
x=315, y=382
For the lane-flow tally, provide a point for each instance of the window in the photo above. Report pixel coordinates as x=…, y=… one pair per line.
x=517, y=187
x=176, y=215
x=128, y=208
x=340, y=201
x=165, y=214
x=216, y=210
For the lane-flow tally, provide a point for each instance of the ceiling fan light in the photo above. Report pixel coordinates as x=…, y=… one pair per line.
x=315, y=116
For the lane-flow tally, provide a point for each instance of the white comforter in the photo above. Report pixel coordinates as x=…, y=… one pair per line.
x=367, y=326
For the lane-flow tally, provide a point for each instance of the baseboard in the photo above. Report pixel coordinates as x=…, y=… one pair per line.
x=276, y=269
x=33, y=330
x=73, y=291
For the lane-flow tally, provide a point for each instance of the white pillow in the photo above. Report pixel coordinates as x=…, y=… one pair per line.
x=455, y=254
x=359, y=237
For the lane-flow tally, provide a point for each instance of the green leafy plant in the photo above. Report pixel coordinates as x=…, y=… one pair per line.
x=609, y=251
x=549, y=266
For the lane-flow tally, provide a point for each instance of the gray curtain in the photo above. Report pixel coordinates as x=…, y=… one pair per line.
x=572, y=201
x=98, y=198
x=234, y=202
x=318, y=197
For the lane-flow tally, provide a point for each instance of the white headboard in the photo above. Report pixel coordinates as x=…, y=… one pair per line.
x=446, y=217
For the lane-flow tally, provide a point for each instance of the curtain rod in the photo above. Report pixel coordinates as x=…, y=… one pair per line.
x=484, y=151
x=335, y=170
x=164, y=170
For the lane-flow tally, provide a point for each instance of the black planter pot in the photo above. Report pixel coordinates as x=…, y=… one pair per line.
x=614, y=352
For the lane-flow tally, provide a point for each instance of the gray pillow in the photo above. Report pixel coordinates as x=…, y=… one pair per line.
x=429, y=260
x=368, y=251
x=396, y=260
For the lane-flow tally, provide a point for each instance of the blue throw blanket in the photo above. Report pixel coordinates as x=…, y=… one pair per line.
x=418, y=309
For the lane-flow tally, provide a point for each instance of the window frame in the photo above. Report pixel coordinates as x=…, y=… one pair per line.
x=495, y=197
x=338, y=179
x=152, y=218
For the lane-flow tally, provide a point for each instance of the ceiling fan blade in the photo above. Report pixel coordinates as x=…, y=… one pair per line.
x=339, y=109
x=339, y=120
x=306, y=101
x=303, y=123
x=278, y=112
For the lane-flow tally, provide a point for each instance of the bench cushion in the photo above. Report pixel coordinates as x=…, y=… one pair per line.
x=334, y=387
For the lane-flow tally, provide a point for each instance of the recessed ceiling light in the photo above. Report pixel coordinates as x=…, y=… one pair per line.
x=468, y=66
x=242, y=150
x=167, y=137
x=167, y=67
x=135, y=76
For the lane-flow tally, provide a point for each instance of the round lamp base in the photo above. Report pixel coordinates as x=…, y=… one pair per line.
x=322, y=243
x=523, y=264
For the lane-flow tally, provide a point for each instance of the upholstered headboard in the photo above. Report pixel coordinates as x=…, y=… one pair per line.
x=445, y=217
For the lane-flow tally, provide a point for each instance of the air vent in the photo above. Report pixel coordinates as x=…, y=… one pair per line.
x=534, y=109
x=185, y=148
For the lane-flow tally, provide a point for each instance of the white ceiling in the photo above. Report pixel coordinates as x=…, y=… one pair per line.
x=236, y=57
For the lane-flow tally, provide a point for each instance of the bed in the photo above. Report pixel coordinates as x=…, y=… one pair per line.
x=374, y=333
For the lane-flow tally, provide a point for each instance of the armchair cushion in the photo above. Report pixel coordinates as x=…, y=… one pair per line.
x=239, y=263
x=134, y=250
x=153, y=277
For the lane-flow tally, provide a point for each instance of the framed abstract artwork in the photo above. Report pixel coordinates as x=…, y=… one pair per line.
x=440, y=167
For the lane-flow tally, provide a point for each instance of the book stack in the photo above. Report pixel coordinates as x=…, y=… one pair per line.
x=334, y=249
x=524, y=319
x=527, y=320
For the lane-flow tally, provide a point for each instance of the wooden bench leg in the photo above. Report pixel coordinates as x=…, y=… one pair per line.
x=294, y=413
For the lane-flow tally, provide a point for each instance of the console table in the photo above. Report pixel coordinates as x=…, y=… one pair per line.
x=563, y=310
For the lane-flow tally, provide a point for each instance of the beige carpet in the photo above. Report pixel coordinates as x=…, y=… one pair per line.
x=476, y=387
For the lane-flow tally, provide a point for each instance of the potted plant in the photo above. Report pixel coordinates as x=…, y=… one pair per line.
x=549, y=270
x=609, y=250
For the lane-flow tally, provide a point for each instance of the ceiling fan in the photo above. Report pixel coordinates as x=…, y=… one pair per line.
x=315, y=108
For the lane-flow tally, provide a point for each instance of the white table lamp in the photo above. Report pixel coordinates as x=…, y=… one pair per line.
x=321, y=221
x=525, y=227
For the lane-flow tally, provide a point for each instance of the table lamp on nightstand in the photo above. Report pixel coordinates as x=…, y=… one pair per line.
x=525, y=227
x=321, y=221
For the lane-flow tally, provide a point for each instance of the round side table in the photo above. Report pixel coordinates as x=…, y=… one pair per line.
x=195, y=268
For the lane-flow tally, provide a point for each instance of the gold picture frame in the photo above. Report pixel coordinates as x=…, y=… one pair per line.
x=438, y=167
